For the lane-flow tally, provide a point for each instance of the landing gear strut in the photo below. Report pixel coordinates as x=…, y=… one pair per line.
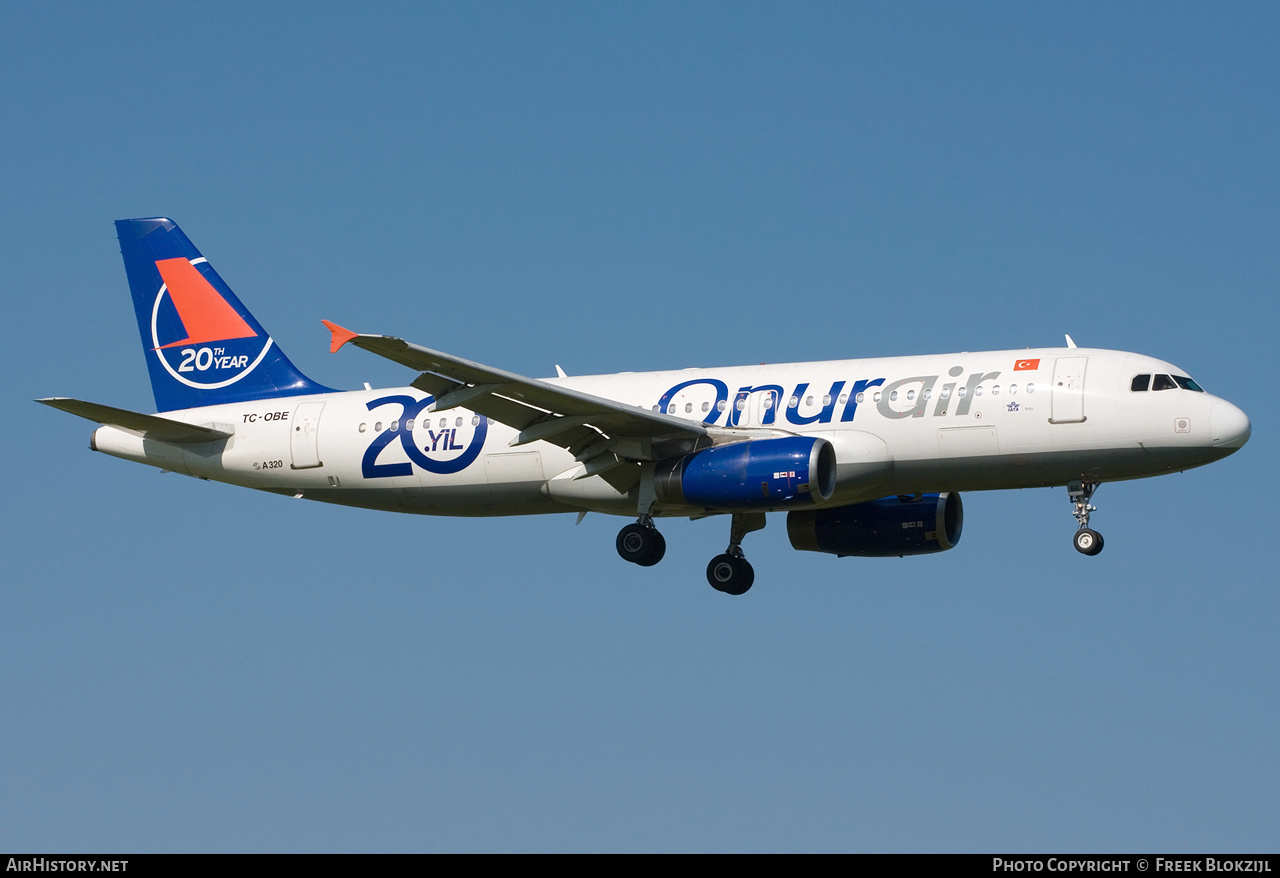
x=730, y=572
x=640, y=543
x=1087, y=542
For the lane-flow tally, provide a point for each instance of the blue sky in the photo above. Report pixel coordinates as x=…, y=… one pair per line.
x=189, y=666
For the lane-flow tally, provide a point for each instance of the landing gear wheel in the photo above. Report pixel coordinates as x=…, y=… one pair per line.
x=641, y=545
x=659, y=549
x=730, y=574
x=1088, y=542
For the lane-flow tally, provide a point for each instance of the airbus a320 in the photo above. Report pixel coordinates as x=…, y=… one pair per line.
x=866, y=457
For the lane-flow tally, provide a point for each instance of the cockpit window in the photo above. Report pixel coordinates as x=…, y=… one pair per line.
x=1140, y=383
x=1187, y=384
x=1163, y=382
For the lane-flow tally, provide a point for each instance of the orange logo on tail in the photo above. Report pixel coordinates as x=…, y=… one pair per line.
x=205, y=315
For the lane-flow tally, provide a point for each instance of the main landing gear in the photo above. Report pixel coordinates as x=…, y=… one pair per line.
x=1087, y=542
x=640, y=543
x=730, y=572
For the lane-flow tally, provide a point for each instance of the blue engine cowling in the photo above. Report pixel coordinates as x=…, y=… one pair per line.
x=880, y=528
x=761, y=473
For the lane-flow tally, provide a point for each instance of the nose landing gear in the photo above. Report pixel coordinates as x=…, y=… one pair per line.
x=1087, y=542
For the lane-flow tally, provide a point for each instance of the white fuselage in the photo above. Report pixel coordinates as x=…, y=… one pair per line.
x=902, y=425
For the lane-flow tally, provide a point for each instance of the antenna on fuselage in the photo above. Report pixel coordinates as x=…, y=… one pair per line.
x=1070, y=343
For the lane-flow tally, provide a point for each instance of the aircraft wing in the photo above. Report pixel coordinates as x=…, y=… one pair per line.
x=600, y=433
x=151, y=426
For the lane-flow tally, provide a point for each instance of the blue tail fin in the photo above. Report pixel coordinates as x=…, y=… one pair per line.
x=203, y=347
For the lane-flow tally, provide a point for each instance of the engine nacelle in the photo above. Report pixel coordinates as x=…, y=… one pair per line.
x=760, y=473
x=880, y=528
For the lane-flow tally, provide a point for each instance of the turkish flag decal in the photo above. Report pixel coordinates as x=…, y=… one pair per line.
x=1025, y=365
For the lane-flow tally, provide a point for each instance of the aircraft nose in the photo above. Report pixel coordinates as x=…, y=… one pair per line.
x=1229, y=427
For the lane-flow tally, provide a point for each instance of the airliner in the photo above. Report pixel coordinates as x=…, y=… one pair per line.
x=866, y=457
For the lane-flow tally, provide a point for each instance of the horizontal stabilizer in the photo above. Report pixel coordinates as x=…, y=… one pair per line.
x=152, y=426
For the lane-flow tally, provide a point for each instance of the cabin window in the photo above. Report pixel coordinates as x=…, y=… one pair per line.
x=706, y=406
x=808, y=400
x=395, y=425
x=458, y=422
x=1013, y=388
x=362, y=426
x=826, y=400
x=721, y=405
x=844, y=397
x=444, y=422
x=893, y=396
x=377, y=428
x=1140, y=383
x=928, y=393
x=408, y=425
x=1187, y=384
x=911, y=394
x=740, y=404
x=859, y=398
x=475, y=420
x=876, y=398
x=977, y=391
x=655, y=408
x=688, y=407
x=1163, y=382
x=961, y=391
x=995, y=389
x=1031, y=387
x=671, y=409
x=946, y=393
